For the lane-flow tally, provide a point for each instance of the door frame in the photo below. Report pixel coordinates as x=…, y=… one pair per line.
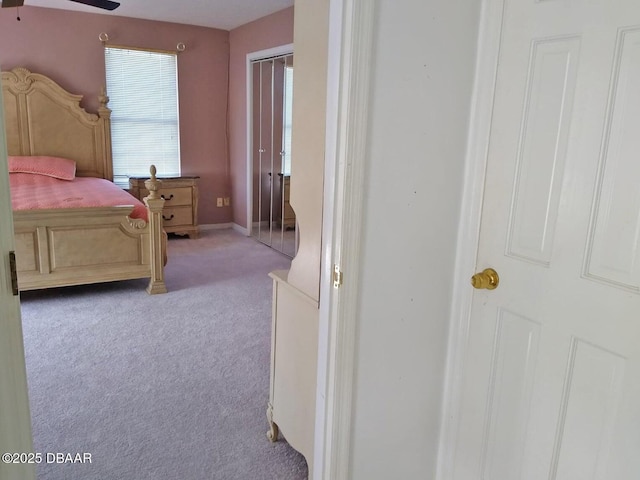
x=14, y=401
x=251, y=56
x=351, y=28
x=487, y=56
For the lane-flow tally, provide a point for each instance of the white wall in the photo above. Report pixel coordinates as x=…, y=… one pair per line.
x=422, y=77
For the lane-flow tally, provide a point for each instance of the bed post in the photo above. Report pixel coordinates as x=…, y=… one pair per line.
x=154, y=204
x=104, y=113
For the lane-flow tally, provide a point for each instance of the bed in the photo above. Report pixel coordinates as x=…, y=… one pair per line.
x=86, y=243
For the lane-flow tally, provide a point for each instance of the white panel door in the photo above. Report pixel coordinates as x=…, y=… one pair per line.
x=551, y=387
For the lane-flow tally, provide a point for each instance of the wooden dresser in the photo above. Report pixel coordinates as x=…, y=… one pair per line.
x=180, y=213
x=294, y=363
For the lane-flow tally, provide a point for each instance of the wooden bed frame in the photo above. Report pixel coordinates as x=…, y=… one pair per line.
x=61, y=247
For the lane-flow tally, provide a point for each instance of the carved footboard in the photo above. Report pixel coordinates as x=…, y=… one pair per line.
x=86, y=245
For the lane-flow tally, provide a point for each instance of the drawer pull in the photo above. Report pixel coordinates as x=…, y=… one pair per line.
x=167, y=219
x=165, y=198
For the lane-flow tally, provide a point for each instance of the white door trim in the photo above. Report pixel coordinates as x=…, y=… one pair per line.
x=351, y=26
x=469, y=228
x=269, y=52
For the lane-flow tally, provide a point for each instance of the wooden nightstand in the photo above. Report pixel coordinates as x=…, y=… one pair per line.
x=180, y=195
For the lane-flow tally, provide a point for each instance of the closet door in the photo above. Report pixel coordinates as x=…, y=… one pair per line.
x=262, y=150
x=273, y=218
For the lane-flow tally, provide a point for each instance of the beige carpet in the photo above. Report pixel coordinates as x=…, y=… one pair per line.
x=170, y=386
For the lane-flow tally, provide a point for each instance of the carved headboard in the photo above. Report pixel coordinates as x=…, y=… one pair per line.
x=42, y=118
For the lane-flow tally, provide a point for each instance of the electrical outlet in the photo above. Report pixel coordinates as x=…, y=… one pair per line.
x=219, y=202
x=227, y=201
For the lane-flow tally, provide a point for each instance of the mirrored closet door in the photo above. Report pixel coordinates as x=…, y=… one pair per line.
x=273, y=219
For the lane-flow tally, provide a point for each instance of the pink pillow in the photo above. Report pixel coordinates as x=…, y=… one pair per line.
x=56, y=167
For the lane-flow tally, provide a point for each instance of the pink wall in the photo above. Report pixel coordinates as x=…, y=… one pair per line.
x=64, y=45
x=270, y=31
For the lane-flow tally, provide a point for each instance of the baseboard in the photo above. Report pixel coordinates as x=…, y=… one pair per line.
x=240, y=229
x=224, y=226
x=214, y=226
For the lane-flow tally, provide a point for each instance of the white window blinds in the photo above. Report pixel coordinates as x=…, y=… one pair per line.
x=143, y=96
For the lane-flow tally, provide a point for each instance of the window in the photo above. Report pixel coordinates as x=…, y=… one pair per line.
x=143, y=96
x=288, y=120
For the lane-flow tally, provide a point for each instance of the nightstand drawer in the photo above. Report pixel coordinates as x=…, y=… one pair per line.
x=174, y=216
x=172, y=196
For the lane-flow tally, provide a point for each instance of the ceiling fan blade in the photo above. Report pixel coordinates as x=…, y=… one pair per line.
x=12, y=3
x=104, y=4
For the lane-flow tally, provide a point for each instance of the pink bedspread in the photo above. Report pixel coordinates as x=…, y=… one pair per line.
x=38, y=192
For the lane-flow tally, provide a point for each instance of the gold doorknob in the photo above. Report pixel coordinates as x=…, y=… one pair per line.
x=488, y=278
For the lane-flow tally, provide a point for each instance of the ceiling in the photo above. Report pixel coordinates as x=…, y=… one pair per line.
x=223, y=14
